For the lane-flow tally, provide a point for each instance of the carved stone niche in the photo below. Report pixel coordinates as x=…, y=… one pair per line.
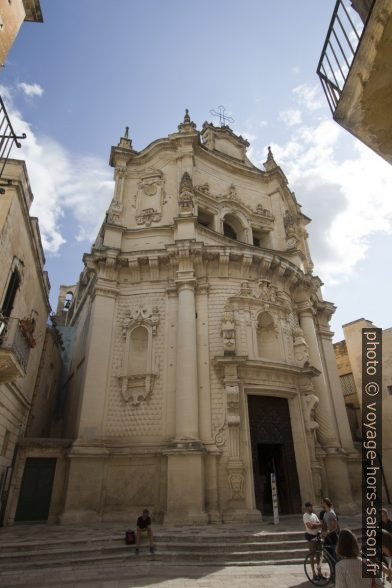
x=139, y=366
x=150, y=198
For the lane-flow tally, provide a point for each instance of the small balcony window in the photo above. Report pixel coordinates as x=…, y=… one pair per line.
x=260, y=239
x=205, y=219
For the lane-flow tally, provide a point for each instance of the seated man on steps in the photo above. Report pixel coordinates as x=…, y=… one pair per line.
x=143, y=526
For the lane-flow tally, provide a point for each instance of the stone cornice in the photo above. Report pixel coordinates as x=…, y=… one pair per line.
x=276, y=366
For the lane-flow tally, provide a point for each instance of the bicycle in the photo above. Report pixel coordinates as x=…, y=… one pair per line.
x=323, y=564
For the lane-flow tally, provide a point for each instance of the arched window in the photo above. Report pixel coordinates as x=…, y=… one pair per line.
x=228, y=231
x=138, y=351
x=234, y=228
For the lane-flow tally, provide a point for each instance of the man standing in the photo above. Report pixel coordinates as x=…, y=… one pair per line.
x=312, y=526
x=330, y=526
x=143, y=526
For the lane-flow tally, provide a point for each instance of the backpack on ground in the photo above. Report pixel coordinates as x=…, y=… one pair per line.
x=130, y=537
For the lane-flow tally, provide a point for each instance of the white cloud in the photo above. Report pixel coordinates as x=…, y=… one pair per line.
x=62, y=184
x=290, y=117
x=309, y=96
x=348, y=198
x=31, y=89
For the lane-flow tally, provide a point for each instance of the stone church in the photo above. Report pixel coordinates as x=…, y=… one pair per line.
x=200, y=357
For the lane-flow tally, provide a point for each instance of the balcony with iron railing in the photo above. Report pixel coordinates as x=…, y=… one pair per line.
x=341, y=44
x=15, y=343
x=355, y=71
x=8, y=139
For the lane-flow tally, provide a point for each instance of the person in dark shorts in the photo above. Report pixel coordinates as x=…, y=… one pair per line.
x=330, y=527
x=143, y=526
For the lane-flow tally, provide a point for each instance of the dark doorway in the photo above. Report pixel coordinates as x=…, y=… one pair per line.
x=36, y=489
x=273, y=452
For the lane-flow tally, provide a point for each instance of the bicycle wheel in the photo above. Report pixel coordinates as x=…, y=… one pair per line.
x=322, y=567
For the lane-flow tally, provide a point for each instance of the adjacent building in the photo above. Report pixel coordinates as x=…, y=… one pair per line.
x=12, y=15
x=355, y=71
x=348, y=355
x=24, y=309
x=198, y=349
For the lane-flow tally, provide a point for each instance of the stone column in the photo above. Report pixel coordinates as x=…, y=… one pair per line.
x=328, y=432
x=336, y=390
x=336, y=458
x=171, y=360
x=187, y=403
x=203, y=363
x=186, y=463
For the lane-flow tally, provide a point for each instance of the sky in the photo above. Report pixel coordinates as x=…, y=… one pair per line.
x=93, y=67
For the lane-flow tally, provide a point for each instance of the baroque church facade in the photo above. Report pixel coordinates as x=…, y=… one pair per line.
x=200, y=353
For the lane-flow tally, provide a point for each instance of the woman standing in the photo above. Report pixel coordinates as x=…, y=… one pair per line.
x=349, y=569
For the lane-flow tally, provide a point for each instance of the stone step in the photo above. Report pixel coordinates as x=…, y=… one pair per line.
x=16, y=551
x=32, y=544
x=185, y=547
x=100, y=558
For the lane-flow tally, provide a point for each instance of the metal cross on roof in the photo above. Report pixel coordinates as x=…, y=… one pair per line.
x=223, y=118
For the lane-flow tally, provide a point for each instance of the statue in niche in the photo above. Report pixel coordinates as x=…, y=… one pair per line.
x=310, y=403
x=301, y=348
x=289, y=222
x=228, y=332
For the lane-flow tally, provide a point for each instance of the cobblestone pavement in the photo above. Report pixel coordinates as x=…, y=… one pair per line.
x=169, y=576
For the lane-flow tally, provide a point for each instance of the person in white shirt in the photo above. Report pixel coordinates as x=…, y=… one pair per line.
x=312, y=526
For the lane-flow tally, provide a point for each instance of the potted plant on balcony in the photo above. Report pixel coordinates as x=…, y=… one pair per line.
x=27, y=327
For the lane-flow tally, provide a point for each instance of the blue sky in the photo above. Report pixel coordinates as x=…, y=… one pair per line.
x=74, y=82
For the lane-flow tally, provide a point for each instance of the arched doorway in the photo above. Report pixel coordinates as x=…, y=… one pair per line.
x=273, y=452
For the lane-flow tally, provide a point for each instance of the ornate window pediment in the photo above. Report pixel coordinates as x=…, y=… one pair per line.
x=139, y=366
x=150, y=198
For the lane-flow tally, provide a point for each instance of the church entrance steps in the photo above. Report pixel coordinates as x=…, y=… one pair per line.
x=25, y=548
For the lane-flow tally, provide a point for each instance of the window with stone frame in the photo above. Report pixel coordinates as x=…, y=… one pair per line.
x=138, y=351
x=10, y=294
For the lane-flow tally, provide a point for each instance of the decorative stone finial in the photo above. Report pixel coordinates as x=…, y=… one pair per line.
x=187, y=125
x=186, y=183
x=270, y=163
x=125, y=142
